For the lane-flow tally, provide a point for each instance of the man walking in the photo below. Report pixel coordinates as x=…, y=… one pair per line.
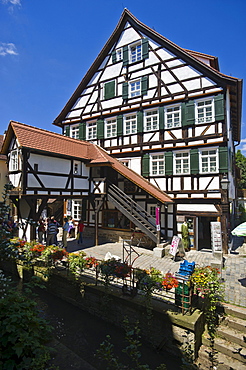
x=51, y=231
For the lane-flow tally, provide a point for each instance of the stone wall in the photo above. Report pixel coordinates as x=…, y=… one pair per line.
x=164, y=326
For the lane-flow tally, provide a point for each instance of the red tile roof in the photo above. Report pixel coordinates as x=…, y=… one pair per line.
x=49, y=142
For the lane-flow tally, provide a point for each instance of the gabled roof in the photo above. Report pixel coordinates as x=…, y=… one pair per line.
x=30, y=137
x=50, y=143
x=190, y=57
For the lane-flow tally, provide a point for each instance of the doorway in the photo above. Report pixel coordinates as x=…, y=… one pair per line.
x=204, y=232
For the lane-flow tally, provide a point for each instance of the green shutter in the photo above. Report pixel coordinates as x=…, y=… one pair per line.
x=219, y=107
x=145, y=165
x=84, y=208
x=223, y=159
x=161, y=118
x=82, y=130
x=67, y=131
x=194, y=161
x=168, y=163
x=125, y=90
x=100, y=129
x=140, y=121
x=109, y=90
x=114, y=60
x=145, y=48
x=120, y=125
x=144, y=85
x=188, y=113
x=125, y=55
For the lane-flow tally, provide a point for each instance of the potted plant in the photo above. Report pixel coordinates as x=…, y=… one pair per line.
x=122, y=270
x=91, y=262
x=76, y=262
x=148, y=280
x=169, y=281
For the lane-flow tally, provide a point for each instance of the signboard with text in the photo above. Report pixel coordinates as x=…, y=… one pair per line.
x=216, y=236
x=174, y=245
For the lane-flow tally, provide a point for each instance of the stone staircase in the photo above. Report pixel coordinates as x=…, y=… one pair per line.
x=230, y=342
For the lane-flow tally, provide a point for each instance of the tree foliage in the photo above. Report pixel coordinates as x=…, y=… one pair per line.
x=241, y=164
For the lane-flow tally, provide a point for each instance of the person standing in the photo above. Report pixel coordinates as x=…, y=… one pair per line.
x=41, y=231
x=65, y=229
x=51, y=232
x=81, y=227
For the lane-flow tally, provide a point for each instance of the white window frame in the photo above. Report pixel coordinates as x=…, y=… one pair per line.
x=135, y=88
x=91, y=130
x=208, y=153
x=130, y=124
x=76, y=209
x=157, y=164
x=119, y=54
x=135, y=52
x=111, y=127
x=172, y=116
x=14, y=160
x=202, y=111
x=183, y=159
x=151, y=120
x=74, y=132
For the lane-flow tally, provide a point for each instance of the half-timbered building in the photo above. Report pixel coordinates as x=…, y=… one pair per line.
x=65, y=176
x=167, y=113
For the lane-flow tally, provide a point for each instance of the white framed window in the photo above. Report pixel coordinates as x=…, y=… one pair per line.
x=119, y=54
x=135, y=88
x=135, y=52
x=204, y=110
x=208, y=160
x=13, y=161
x=173, y=116
x=182, y=162
x=157, y=164
x=130, y=124
x=151, y=120
x=76, y=209
x=74, y=132
x=91, y=130
x=111, y=127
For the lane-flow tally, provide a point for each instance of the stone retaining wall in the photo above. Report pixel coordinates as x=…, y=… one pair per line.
x=164, y=326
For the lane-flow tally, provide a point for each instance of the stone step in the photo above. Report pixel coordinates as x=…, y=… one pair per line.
x=235, y=323
x=232, y=335
x=227, y=348
x=224, y=362
x=235, y=311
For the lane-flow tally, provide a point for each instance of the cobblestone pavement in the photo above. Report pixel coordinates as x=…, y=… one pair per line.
x=233, y=271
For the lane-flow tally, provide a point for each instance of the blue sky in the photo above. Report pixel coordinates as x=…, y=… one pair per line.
x=46, y=46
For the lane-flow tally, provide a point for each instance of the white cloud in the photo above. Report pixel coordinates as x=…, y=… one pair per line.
x=13, y=2
x=7, y=49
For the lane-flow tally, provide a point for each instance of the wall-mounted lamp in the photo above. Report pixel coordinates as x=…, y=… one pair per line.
x=225, y=183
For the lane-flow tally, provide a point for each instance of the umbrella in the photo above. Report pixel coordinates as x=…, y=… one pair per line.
x=240, y=230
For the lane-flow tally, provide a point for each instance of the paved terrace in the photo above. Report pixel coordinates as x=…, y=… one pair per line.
x=233, y=272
